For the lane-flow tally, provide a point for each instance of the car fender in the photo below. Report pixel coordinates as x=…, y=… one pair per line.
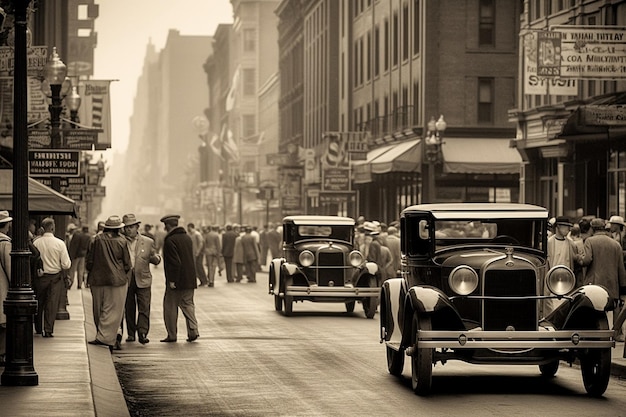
x=274, y=275
x=391, y=300
x=589, y=301
x=429, y=300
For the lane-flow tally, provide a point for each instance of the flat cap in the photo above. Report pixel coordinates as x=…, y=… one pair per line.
x=597, y=223
x=170, y=217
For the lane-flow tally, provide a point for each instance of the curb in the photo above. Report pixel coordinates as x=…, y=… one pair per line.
x=108, y=397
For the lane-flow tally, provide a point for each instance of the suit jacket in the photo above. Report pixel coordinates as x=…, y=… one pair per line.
x=178, y=260
x=249, y=247
x=145, y=254
x=108, y=260
x=605, y=262
x=212, y=244
x=78, y=245
x=228, y=243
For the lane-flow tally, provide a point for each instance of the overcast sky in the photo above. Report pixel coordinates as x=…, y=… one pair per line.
x=125, y=27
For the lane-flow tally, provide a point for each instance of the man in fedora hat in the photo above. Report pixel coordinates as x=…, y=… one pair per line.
x=605, y=263
x=56, y=260
x=5, y=276
x=108, y=263
x=142, y=254
x=180, y=279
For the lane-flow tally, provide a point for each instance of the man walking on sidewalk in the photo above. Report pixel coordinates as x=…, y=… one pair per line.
x=142, y=253
x=56, y=260
x=180, y=279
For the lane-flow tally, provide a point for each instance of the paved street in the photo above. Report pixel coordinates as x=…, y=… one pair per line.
x=253, y=361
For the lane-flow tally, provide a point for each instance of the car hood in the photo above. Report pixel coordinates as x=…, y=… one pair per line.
x=316, y=245
x=477, y=257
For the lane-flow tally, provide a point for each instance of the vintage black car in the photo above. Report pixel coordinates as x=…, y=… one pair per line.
x=320, y=264
x=473, y=290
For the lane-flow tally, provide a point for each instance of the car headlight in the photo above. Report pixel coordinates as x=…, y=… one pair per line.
x=560, y=280
x=306, y=258
x=463, y=280
x=355, y=258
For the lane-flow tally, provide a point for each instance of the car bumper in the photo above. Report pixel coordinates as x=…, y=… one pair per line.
x=557, y=339
x=340, y=292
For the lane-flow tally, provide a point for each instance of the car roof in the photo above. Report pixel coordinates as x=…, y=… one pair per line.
x=476, y=211
x=324, y=220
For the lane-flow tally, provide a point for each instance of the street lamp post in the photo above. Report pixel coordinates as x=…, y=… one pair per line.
x=432, y=152
x=56, y=76
x=20, y=304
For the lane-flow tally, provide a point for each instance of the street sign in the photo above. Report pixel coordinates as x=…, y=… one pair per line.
x=80, y=138
x=53, y=163
x=336, y=179
x=280, y=159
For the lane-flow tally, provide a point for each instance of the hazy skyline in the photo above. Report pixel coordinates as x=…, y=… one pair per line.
x=125, y=28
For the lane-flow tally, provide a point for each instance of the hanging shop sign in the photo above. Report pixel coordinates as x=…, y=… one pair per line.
x=612, y=115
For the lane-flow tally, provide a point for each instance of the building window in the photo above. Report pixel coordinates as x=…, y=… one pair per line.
x=405, y=32
x=416, y=28
x=396, y=41
x=376, y=51
x=368, y=47
x=249, y=40
x=486, y=23
x=356, y=59
x=535, y=11
x=387, y=44
x=249, y=125
x=249, y=82
x=485, y=100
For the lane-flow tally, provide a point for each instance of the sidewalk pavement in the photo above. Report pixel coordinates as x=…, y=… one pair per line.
x=78, y=379
x=75, y=378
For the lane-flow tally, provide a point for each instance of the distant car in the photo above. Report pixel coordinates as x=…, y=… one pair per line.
x=320, y=264
x=472, y=289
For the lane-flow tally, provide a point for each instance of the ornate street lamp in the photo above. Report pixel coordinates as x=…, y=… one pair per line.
x=20, y=304
x=73, y=101
x=432, y=155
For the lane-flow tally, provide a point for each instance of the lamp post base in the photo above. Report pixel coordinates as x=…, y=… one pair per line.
x=20, y=306
x=62, y=313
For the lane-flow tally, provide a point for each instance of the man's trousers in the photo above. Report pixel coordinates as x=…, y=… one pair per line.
x=172, y=300
x=137, y=308
x=108, y=311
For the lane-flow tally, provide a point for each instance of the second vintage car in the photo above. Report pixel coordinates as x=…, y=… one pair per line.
x=475, y=280
x=320, y=264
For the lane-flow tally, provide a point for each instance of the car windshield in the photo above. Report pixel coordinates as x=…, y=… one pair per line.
x=325, y=231
x=522, y=232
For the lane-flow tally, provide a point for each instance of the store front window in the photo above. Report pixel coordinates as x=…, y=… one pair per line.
x=617, y=183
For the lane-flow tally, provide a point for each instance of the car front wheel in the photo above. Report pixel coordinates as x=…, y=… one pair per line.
x=395, y=361
x=422, y=359
x=370, y=303
x=595, y=365
x=288, y=299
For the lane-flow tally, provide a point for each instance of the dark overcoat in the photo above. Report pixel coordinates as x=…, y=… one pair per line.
x=605, y=263
x=178, y=261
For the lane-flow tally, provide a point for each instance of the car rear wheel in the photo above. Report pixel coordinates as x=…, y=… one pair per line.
x=350, y=306
x=422, y=359
x=370, y=303
x=395, y=361
x=595, y=365
x=288, y=299
x=549, y=369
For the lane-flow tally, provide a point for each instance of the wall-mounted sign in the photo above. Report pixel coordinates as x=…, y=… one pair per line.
x=53, y=163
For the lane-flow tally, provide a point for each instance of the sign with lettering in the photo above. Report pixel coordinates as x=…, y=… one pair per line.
x=336, y=179
x=36, y=64
x=542, y=85
x=53, y=163
x=604, y=115
x=592, y=52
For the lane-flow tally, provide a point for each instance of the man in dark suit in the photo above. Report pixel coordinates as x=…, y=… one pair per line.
x=180, y=279
x=142, y=254
x=77, y=248
x=228, y=251
x=251, y=253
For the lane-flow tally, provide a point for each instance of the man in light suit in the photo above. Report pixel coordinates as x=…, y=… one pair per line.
x=142, y=254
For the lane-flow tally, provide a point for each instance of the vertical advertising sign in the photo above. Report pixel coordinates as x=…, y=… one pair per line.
x=534, y=83
x=549, y=54
x=95, y=109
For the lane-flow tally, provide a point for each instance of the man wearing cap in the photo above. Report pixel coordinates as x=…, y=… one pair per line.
x=142, y=253
x=5, y=276
x=605, y=262
x=561, y=251
x=56, y=260
x=180, y=279
x=108, y=264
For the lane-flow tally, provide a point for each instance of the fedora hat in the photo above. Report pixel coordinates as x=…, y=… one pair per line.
x=597, y=223
x=113, y=222
x=170, y=217
x=371, y=228
x=617, y=220
x=129, y=219
x=563, y=221
x=4, y=217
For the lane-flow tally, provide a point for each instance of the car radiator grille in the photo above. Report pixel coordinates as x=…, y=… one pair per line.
x=330, y=268
x=500, y=314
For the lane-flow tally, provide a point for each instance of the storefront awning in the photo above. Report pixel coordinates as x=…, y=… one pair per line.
x=398, y=157
x=41, y=199
x=480, y=156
